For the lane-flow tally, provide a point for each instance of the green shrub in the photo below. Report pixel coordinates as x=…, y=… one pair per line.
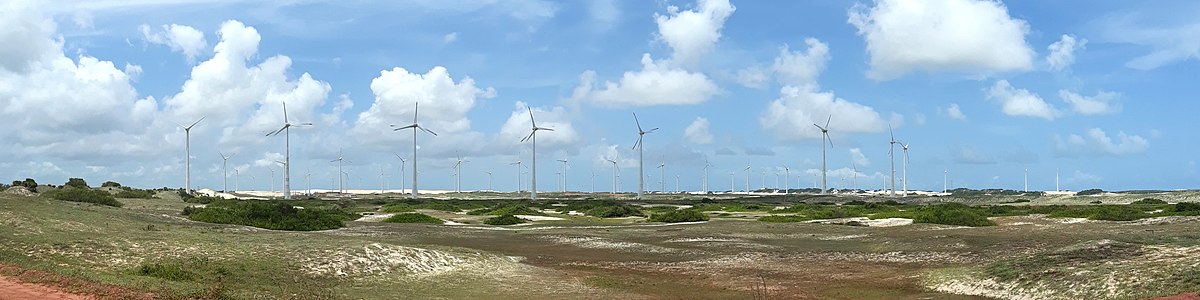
x=1187, y=207
x=504, y=220
x=1149, y=201
x=1096, y=202
x=948, y=214
x=279, y=215
x=134, y=194
x=76, y=183
x=110, y=184
x=1089, y=192
x=397, y=208
x=202, y=199
x=28, y=183
x=85, y=196
x=413, y=218
x=1117, y=213
x=614, y=211
x=784, y=219
x=172, y=272
x=683, y=215
x=511, y=209
x=855, y=202
x=439, y=205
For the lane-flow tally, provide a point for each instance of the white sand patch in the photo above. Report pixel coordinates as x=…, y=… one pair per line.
x=992, y=289
x=574, y=213
x=888, y=222
x=703, y=239
x=376, y=258
x=1167, y=220
x=375, y=218
x=539, y=218
x=842, y=237
x=448, y=222
x=603, y=243
x=1020, y=223
x=1071, y=220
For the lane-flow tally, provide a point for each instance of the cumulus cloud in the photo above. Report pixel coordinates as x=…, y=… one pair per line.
x=1020, y=102
x=444, y=105
x=1100, y=104
x=180, y=38
x=793, y=114
x=1062, y=52
x=692, y=33
x=450, y=38
x=1096, y=142
x=517, y=127
x=752, y=77
x=798, y=68
x=857, y=157
x=697, y=132
x=954, y=112
x=973, y=36
x=656, y=83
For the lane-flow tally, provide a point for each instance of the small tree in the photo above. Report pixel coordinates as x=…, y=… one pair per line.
x=28, y=183
x=110, y=184
x=77, y=183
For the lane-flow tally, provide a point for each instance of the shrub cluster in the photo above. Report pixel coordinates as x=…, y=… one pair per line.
x=76, y=183
x=110, y=184
x=28, y=183
x=1089, y=192
x=278, y=215
x=683, y=215
x=951, y=215
x=84, y=195
x=784, y=219
x=504, y=220
x=1149, y=201
x=413, y=218
x=134, y=193
x=617, y=211
x=1187, y=207
x=510, y=209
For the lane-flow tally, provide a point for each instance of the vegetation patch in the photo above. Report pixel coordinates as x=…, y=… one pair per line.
x=397, y=208
x=504, y=220
x=510, y=209
x=683, y=215
x=413, y=218
x=784, y=219
x=277, y=215
x=1149, y=201
x=134, y=194
x=85, y=195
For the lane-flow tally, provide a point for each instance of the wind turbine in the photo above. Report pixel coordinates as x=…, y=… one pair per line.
x=518, y=164
x=415, y=126
x=532, y=137
x=187, y=152
x=641, y=162
x=225, y=170
x=747, y=179
x=341, y=183
x=706, y=165
x=382, y=180
x=458, y=173
x=307, y=181
x=593, y=181
x=731, y=176
x=945, y=176
x=616, y=174
x=402, y=162
x=661, y=171
x=489, y=180
x=892, y=154
x=824, y=138
x=272, y=181
x=237, y=176
x=564, y=175
x=287, y=156
x=904, y=165
x=1026, y=180
x=787, y=175
x=677, y=183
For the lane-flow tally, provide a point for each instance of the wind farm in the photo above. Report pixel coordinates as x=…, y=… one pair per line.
x=1066, y=173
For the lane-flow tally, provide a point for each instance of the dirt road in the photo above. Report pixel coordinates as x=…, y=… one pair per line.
x=12, y=289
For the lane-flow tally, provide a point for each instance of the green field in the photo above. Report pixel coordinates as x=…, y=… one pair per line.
x=148, y=246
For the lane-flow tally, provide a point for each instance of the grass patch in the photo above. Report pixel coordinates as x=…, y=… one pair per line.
x=280, y=215
x=413, y=218
x=683, y=215
x=504, y=220
x=1149, y=201
x=784, y=219
x=397, y=208
x=134, y=194
x=509, y=209
x=85, y=195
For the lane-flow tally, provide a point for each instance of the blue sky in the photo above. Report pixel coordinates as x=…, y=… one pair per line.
x=985, y=89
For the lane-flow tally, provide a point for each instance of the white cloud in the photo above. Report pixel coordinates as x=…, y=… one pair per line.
x=1170, y=44
x=1097, y=142
x=450, y=38
x=798, y=68
x=1081, y=178
x=697, y=132
x=517, y=127
x=444, y=105
x=692, y=33
x=1020, y=102
x=1100, y=104
x=752, y=77
x=955, y=112
x=973, y=36
x=656, y=83
x=604, y=14
x=793, y=114
x=1062, y=52
x=857, y=157
x=180, y=38
x=968, y=155
x=27, y=37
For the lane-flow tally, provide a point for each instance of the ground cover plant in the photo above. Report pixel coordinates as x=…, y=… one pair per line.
x=413, y=218
x=504, y=220
x=85, y=195
x=601, y=209
x=278, y=215
x=677, y=216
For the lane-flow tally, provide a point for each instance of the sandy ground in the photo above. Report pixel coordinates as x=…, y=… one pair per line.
x=12, y=289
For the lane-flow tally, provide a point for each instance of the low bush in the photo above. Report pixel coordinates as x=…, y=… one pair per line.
x=28, y=183
x=1187, y=207
x=202, y=199
x=614, y=211
x=504, y=220
x=84, y=195
x=683, y=215
x=413, y=218
x=397, y=208
x=510, y=209
x=1149, y=201
x=280, y=215
x=1089, y=192
x=134, y=194
x=951, y=215
x=1117, y=213
x=76, y=183
x=169, y=271
x=110, y=184
x=784, y=219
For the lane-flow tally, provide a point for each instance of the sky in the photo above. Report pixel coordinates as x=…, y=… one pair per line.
x=980, y=90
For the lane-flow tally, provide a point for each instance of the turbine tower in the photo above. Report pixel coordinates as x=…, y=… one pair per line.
x=225, y=170
x=341, y=183
x=616, y=174
x=414, y=127
x=661, y=171
x=287, y=156
x=458, y=173
x=706, y=165
x=518, y=164
x=641, y=163
x=402, y=162
x=532, y=137
x=945, y=177
x=747, y=179
x=187, y=159
x=787, y=175
x=489, y=180
x=1026, y=180
x=824, y=138
x=904, y=166
x=892, y=154
x=564, y=175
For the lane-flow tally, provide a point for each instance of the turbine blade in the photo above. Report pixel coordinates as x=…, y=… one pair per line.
x=194, y=123
x=307, y=124
x=822, y=129
x=892, y=133
x=829, y=139
x=531, y=133
x=652, y=130
x=544, y=128
x=827, y=121
x=285, y=118
x=638, y=143
x=425, y=129
x=531, y=121
x=285, y=126
x=635, y=121
x=416, y=107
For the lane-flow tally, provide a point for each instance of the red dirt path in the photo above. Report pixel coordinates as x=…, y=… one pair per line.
x=13, y=289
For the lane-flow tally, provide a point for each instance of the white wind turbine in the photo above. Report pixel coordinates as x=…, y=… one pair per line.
x=616, y=174
x=641, y=162
x=662, y=170
x=593, y=180
x=824, y=138
x=892, y=154
x=532, y=137
x=458, y=173
x=225, y=170
x=237, y=176
x=382, y=180
x=287, y=152
x=187, y=152
x=904, y=166
x=564, y=175
x=747, y=179
x=341, y=182
x=402, y=162
x=307, y=181
x=706, y=165
x=415, y=126
x=489, y=180
x=787, y=175
x=518, y=164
